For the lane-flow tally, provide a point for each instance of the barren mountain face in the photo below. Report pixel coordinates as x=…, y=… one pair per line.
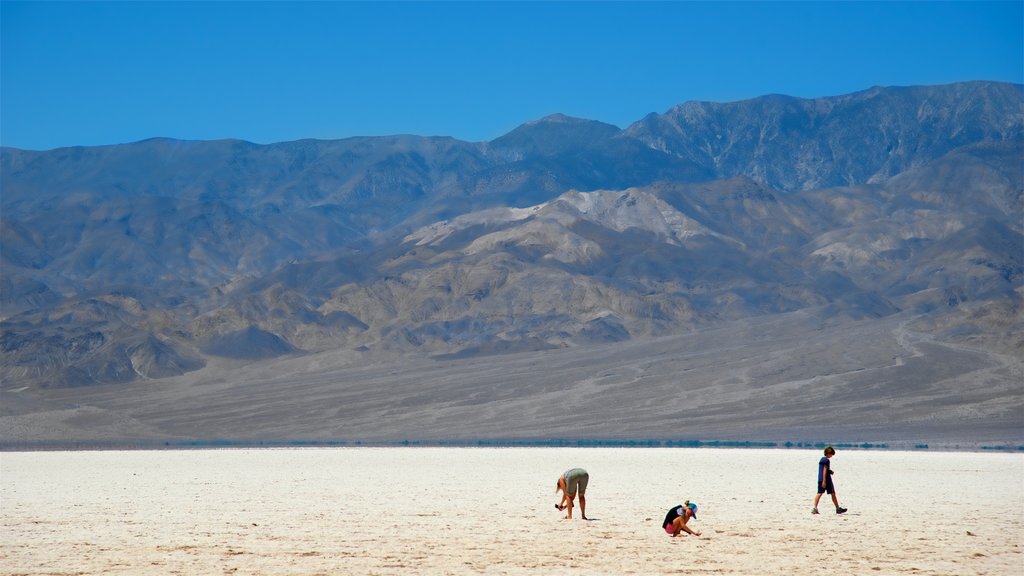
x=158, y=266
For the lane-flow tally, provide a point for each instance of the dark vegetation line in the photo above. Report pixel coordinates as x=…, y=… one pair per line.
x=11, y=446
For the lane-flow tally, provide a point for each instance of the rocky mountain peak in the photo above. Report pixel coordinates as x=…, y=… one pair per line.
x=408, y=245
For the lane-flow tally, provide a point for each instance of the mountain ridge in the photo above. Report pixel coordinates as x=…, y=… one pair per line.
x=150, y=262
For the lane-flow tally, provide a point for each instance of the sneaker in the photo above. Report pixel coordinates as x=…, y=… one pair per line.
x=840, y=510
x=814, y=511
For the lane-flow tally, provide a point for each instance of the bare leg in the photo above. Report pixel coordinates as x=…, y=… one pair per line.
x=583, y=506
x=679, y=528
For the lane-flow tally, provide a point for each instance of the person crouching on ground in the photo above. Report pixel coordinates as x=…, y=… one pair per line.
x=678, y=516
x=571, y=482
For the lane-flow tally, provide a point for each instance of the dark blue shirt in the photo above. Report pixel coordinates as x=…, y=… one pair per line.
x=823, y=465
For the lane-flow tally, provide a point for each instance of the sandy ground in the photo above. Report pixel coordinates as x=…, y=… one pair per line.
x=475, y=511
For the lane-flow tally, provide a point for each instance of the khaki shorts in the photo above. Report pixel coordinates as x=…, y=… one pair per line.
x=575, y=481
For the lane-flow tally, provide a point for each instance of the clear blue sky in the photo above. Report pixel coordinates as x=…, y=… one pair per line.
x=87, y=73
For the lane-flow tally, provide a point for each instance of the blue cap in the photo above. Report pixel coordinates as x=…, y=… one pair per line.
x=693, y=508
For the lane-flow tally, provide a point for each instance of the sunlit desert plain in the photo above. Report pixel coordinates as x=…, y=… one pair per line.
x=491, y=510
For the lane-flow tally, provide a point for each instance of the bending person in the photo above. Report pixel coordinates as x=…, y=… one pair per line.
x=678, y=516
x=571, y=482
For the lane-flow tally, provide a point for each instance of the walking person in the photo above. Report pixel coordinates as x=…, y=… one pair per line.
x=825, y=481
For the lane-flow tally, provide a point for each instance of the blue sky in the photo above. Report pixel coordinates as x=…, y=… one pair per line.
x=89, y=73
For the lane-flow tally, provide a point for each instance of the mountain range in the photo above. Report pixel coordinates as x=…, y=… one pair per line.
x=161, y=266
